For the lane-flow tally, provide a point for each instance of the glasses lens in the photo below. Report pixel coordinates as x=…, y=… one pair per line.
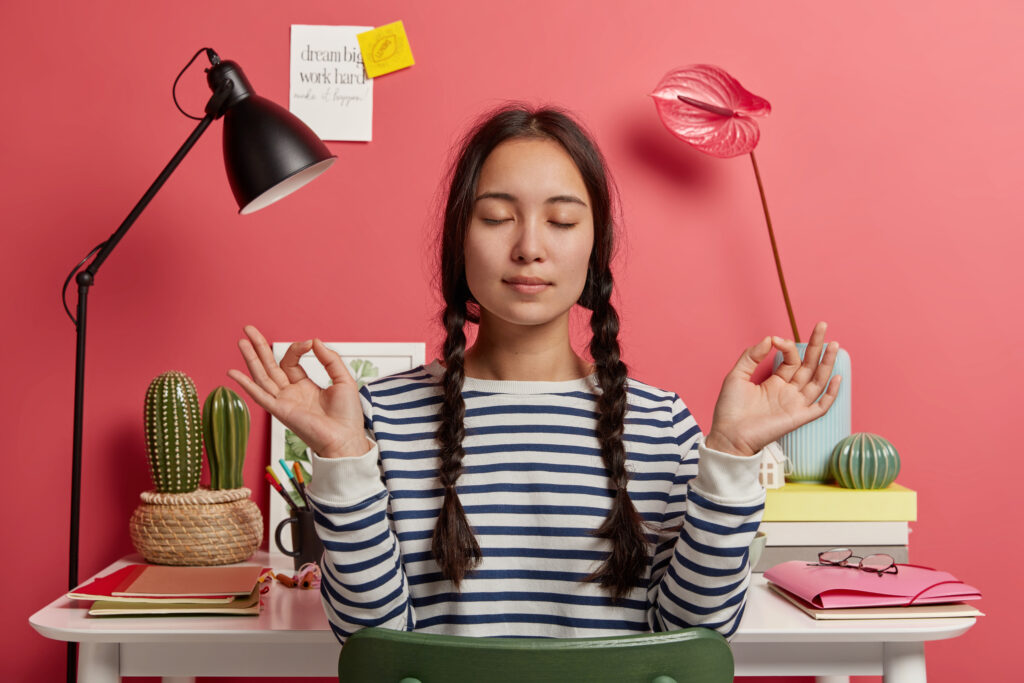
x=835, y=556
x=877, y=563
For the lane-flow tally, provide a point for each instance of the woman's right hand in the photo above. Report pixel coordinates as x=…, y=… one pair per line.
x=330, y=421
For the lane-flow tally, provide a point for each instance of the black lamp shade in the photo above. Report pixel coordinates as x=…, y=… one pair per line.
x=269, y=153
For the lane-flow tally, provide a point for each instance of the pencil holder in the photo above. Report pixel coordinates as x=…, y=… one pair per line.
x=306, y=545
x=202, y=528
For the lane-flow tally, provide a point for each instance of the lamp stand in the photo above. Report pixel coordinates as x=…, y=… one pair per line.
x=85, y=280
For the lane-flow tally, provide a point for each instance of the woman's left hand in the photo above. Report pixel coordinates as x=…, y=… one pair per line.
x=749, y=416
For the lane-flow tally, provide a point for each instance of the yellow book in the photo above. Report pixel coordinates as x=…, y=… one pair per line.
x=800, y=502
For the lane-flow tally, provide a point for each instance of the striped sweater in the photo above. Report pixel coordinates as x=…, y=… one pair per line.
x=533, y=488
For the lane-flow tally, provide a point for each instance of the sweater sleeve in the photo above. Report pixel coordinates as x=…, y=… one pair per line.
x=700, y=572
x=364, y=582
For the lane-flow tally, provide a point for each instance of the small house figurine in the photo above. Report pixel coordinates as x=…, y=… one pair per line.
x=772, y=473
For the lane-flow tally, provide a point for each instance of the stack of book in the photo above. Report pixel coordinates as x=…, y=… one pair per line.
x=800, y=520
x=149, y=590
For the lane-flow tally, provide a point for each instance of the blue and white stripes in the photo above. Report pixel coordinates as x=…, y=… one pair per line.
x=534, y=488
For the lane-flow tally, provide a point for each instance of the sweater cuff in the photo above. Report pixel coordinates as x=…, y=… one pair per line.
x=726, y=478
x=343, y=481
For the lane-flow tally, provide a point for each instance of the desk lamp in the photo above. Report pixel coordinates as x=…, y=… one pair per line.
x=268, y=154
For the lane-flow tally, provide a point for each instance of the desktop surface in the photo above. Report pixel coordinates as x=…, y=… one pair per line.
x=291, y=637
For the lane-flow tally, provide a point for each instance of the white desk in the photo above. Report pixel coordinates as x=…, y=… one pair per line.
x=291, y=638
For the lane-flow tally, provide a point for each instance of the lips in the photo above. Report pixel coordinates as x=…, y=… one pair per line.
x=527, y=285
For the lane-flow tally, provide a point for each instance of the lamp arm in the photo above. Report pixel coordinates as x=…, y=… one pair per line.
x=214, y=110
x=113, y=240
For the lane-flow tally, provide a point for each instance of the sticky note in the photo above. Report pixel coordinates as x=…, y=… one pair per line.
x=385, y=49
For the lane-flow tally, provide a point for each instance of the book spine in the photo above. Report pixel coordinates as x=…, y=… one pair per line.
x=805, y=503
x=772, y=556
x=836, y=534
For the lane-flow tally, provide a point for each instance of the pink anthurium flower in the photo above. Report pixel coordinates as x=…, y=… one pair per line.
x=709, y=109
x=704, y=106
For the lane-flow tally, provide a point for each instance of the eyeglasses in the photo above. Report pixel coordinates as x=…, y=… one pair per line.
x=879, y=563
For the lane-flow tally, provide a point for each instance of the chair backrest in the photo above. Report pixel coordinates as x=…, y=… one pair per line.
x=693, y=655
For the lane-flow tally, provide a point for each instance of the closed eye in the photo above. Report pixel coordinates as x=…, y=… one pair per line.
x=561, y=225
x=494, y=221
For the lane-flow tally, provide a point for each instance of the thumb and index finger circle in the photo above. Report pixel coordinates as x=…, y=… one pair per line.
x=752, y=357
x=333, y=363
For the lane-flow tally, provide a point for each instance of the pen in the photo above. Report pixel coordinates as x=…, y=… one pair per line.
x=294, y=482
x=280, y=489
x=301, y=481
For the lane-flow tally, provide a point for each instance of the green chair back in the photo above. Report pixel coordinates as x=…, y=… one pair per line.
x=693, y=655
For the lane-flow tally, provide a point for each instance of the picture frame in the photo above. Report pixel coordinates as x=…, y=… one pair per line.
x=366, y=361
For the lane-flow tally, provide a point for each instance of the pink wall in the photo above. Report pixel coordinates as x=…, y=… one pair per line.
x=889, y=162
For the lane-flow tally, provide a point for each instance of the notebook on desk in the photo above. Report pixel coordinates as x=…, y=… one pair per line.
x=953, y=609
x=248, y=605
x=831, y=587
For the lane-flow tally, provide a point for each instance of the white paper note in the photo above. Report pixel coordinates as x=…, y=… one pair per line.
x=329, y=88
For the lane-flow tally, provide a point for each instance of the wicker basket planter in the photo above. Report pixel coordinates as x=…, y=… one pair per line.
x=203, y=527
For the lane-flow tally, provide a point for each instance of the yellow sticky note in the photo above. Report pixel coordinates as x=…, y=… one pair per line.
x=385, y=49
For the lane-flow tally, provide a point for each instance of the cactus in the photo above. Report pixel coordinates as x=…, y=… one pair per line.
x=226, y=432
x=174, y=443
x=864, y=461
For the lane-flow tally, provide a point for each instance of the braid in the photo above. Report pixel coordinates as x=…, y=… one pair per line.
x=453, y=545
x=623, y=526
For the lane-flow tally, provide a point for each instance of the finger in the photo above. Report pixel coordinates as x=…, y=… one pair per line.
x=290, y=361
x=256, y=369
x=261, y=397
x=790, y=358
x=266, y=356
x=821, y=375
x=812, y=355
x=752, y=357
x=333, y=363
x=828, y=398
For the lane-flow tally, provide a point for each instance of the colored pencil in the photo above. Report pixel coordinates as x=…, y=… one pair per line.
x=301, y=481
x=280, y=489
x=294, y=482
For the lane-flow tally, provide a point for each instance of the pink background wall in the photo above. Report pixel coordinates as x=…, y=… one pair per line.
x=889, y=161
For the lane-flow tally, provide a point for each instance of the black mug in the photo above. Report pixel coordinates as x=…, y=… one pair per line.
x=306, y=545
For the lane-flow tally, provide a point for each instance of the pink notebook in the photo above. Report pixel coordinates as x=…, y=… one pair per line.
x=837, y=587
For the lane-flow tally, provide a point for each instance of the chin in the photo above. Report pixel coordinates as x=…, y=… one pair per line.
x=526, y=315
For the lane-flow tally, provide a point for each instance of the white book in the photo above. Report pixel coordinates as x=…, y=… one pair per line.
x=836, y=534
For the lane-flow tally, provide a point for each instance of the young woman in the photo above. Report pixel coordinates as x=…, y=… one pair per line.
x=515, y=488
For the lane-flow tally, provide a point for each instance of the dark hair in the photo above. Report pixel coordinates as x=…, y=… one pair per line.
x=453, y=545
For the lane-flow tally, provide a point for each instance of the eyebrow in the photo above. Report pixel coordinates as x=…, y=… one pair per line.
x=571, y=198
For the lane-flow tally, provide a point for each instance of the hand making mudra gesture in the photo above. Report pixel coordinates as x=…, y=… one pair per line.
x=747, y=416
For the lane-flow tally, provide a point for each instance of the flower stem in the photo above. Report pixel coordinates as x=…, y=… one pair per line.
x=775, y=249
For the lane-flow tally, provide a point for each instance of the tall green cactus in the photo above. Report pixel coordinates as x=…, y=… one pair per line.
x=174, y=442
x=226, y=431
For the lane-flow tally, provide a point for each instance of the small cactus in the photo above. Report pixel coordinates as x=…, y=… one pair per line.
x=226, y=432
x=174, y=442
x=864, y=461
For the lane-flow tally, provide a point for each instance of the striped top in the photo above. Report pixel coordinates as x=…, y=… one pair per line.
x=534, y=488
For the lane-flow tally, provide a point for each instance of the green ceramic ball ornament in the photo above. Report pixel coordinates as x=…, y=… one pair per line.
x=864, y=461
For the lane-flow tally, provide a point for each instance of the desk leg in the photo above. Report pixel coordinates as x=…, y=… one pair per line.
x=903, y=663
x=99, y=662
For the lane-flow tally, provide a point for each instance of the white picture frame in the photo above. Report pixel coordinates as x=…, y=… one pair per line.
x=366, y=361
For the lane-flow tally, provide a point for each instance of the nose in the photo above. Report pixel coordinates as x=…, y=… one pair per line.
x=529, y=244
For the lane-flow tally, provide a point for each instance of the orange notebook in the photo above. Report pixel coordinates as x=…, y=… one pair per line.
x=104, y=587
x=157, y=581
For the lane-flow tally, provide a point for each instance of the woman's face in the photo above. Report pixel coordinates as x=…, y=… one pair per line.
x=530, y=235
